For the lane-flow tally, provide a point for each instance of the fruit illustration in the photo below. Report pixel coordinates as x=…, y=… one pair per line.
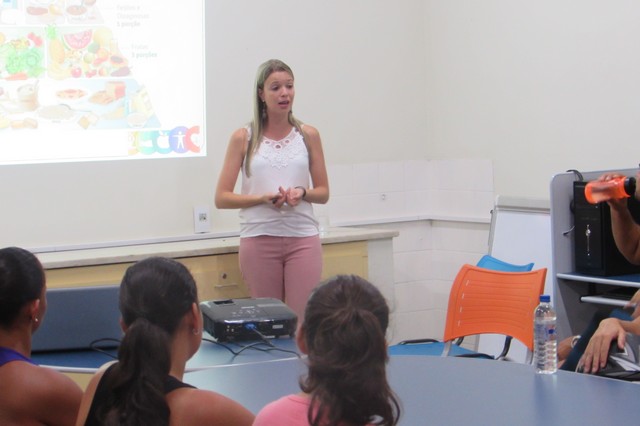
x=36, y=39
x=102, y=36
x=79, y=40
x=89, y=57
x=86, y=53
x=58, y=72
x=56, y=51
x=76, y=72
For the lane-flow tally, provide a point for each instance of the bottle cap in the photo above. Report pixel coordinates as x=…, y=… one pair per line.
x=545, y=298
x=630, y=186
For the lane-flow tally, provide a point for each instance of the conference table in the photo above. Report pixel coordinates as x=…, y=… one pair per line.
x=455, y=391
x=433, y=390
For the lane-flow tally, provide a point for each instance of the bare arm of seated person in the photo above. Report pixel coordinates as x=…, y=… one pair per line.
x=635, y=304
x=39, y=394
x=609, y=330
x=626, y=232
x=201, y=407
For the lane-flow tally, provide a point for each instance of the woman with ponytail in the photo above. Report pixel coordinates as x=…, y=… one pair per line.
x=343, y=334
x=163, y=325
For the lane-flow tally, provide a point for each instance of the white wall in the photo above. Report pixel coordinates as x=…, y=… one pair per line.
x=539, y=87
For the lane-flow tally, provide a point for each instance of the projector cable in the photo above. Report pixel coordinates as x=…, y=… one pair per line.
x=93, y=346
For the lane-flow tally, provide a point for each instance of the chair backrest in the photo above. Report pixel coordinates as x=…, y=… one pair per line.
x=489, y=262
x=497, y=302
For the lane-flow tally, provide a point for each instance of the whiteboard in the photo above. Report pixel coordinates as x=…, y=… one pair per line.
x=520, y=233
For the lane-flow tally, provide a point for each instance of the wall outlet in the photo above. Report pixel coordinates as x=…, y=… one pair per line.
x=201, y=219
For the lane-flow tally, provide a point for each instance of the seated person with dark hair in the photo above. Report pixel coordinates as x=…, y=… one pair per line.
x=29, y=394
x=343, y=333
x=162, y=322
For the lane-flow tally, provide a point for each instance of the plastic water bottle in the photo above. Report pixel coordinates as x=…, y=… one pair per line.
x=604, y=190
x=545, y=349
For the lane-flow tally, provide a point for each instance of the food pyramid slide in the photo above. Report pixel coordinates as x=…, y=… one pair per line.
x=61, y=68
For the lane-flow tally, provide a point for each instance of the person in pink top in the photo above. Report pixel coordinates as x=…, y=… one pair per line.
x=283, y=174
x=343, y=334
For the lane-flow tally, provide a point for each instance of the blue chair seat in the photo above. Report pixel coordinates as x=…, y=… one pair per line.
x=489, y=262
x=434, y=348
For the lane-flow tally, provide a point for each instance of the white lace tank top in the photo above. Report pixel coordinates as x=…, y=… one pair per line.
x=278, y=163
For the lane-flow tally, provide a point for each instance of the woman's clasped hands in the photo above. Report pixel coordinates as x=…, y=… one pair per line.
x=289, y=196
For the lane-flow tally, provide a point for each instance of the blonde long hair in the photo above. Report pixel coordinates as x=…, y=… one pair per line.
x=259, y=109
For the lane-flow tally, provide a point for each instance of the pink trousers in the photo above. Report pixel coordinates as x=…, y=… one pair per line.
x=285, y=268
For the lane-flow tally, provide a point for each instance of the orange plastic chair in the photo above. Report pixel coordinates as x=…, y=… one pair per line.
x=497, y=302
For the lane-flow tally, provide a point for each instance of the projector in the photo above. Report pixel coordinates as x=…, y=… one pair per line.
x=248, y=319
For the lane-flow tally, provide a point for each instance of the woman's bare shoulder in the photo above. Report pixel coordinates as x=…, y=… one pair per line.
x=239, y=140
x=310, y=131
x=198, y=406
x=240, y=134
x=58, y=386
x=51, y=394
x=39, y=379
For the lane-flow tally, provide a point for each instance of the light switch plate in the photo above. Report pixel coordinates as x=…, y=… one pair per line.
x=201, y=219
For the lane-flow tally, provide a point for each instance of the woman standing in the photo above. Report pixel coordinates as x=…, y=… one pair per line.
x=283, y=173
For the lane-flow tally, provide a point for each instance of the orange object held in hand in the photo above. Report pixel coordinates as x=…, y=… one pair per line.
x=603, y=190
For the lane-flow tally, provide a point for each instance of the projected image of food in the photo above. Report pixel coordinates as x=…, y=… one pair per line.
x=61, y=11
x=94, y=71
x=76, y=65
